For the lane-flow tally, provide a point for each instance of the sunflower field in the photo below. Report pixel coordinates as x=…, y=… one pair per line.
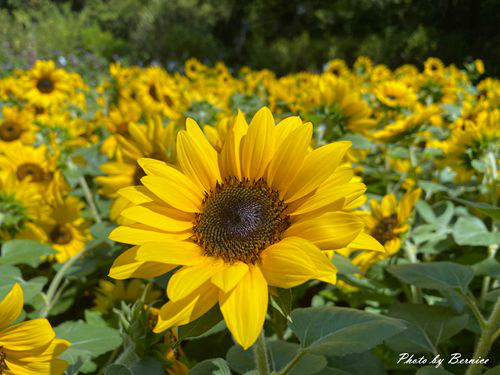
x=218, y=221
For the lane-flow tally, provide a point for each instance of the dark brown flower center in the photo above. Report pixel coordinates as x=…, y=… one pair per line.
x=45, y=85
x=122, y=128
x=32, y=170
x=10, y=131
x=384, y=230
x=239, y=219
x=61, y=235
x=153, y=93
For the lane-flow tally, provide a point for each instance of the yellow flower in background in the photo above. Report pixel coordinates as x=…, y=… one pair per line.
x=395, y=94
x=434, y=67
x=387, y=223
x=256, y=214
x=337, y=67
x=108, y=293
x=16, y=124
x=45, y=85
x=30, y=347
x=22, y=208
x=66, y=231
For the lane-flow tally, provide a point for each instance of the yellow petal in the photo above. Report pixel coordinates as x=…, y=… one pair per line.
x=317, y=168
x=287, y=126
x=407, y=203
x=154, y=219
x=294, y=261
x=257, y=147
x=197, y=158
x=333, y=230
x=174, y=192
x=11, y=306
x=366, y=242
x=229, y=158
x=227, y=278
x=326, y=198
x=138, y=234
x=127, y=266
x=183, y=253
x=389, y=205
x=136, y=194
x=289, y=157
x=27, y=335
x=188, y=279
x=245, y=307
x=188, y=309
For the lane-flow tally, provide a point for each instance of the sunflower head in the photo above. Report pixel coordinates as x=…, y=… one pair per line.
x=257, y=213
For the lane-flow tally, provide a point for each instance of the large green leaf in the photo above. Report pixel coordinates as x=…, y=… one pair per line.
x=354, y=364
x=472, y=231
x=485, y=208
x=10, y=275
x=435, y=275
x=431, y=370
x=87, y=340
x=147, y=366
x=24, y=252
x=340, y=331
x=428, y=326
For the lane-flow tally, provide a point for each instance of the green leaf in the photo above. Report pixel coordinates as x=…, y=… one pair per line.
x=206, y=325
x=216, y=366
x=488, y=266
x=24, y=252
x=344, y=265
x=327, y=330
x=117, y=370
x=493, y=371
x=280, y=354
x=472, y=231
x=431, y=370
x=485, y=208
x=355, y=364
x=87, y=340
x=428, y=326
x=425, y=211
x=9, y=275
x=434, y=275
x=283, y=301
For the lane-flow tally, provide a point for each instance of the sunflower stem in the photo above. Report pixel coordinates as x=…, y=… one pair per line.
x=260, y=355
x=88, y=198
x=486, y=340
x=411, y=254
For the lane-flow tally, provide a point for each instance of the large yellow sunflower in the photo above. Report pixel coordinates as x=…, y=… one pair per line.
x=27, y=348
x=257, y=214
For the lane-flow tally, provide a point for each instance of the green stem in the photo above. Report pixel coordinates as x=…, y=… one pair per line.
x=486, y=340
x=260, y=355
x=411, y=255
x=292, y=363
x=471, y=302
x=88, y=197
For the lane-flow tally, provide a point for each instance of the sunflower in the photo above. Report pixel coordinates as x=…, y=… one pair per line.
x=21, y=209
x=387, y=223
x=157, y=93
x=395, y=94
x=337, y=67
x=46, y=86
x=108, y=293
x=33, y=164
x=16, y=125
x=66, y=231
x=29, y=347
x=434, y=67
x=256, y=214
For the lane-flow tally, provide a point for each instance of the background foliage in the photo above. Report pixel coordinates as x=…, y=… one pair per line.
x=281, y=35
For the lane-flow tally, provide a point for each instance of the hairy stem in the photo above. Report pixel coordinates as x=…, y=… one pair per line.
x=260, y=355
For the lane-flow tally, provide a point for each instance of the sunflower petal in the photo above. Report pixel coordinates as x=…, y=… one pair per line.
x=227, y=278
x=188, y=309
x=366, y=242
x=11, y=306
x=245, y=307
x=127, y=266
x=188, y=279
x=229, y=158
x=138, y=234
x=27, y=335
x=174, y=192
x=183, y=253
x=333, y=230
x=154, y=219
